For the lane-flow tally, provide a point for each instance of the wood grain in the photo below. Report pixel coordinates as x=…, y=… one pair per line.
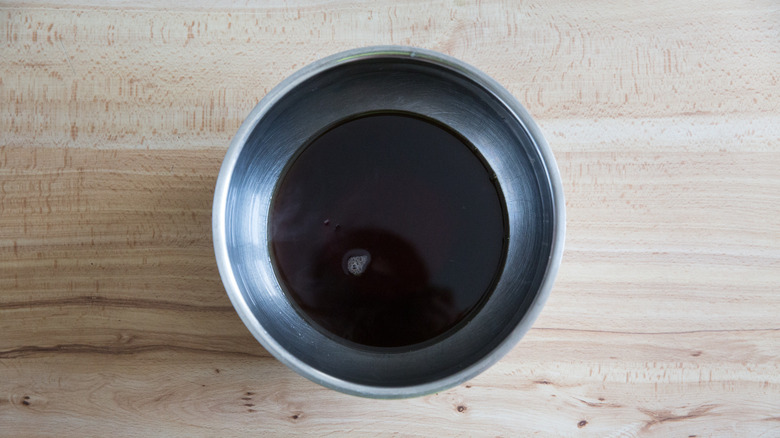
x=664, y=118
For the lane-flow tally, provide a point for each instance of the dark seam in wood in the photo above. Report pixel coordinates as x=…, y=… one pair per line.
x=29, y=350
x=114, y=302
x=655, y=333
x=666, y=416
x=598, y=405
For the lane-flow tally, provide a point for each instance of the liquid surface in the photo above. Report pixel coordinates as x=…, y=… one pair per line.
x=387, y=230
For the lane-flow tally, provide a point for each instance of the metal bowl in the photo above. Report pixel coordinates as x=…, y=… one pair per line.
x=408, y=80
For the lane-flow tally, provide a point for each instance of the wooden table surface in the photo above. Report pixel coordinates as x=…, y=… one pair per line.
x=665, y=121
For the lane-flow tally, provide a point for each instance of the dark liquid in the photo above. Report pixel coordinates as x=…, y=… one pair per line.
x=387, y=230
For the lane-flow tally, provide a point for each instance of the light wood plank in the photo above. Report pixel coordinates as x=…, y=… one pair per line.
x=146, y=77
x=557, y=382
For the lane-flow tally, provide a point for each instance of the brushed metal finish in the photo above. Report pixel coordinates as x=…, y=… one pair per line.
x=381, y=79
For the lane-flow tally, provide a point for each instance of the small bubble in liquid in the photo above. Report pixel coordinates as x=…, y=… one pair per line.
x=355, y=262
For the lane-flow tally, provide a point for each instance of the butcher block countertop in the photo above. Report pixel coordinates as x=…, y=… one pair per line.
x=665, y=121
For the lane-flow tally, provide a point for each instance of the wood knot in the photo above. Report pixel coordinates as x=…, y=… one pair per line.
x=582, y=424
x=462, y=408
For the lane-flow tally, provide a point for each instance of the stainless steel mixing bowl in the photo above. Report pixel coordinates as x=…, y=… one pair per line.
x=409, y=80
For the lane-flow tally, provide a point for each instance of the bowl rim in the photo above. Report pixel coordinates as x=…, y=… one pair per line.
x=221, y=196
